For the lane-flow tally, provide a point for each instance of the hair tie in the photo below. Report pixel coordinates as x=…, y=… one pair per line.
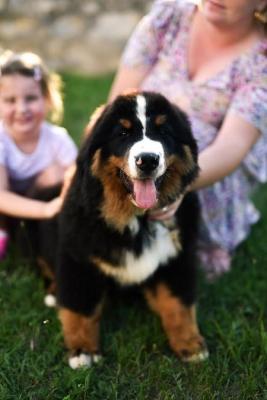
x=37, y=74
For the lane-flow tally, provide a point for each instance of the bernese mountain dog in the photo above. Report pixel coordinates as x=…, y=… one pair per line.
x=139, y=155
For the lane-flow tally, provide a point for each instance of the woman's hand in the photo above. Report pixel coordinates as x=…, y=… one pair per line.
x=167, y=212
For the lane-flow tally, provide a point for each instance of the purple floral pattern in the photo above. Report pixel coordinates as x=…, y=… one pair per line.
x=160, y=41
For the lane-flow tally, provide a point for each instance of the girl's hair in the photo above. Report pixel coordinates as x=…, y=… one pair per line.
x=30, y=65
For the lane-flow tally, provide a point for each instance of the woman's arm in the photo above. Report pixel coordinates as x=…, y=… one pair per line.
x=228, y=150
x=14, y=205
x=127, y=78
x=220, y=159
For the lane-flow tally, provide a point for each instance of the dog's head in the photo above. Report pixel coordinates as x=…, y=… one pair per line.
x=142, y=148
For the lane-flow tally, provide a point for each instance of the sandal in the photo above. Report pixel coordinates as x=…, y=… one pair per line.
x=215, y=261
x=4, y=238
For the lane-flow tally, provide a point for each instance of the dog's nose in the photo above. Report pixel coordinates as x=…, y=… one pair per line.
x=147, y=162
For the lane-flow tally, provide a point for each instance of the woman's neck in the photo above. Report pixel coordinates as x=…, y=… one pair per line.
x=212, y=48
x=225, y=35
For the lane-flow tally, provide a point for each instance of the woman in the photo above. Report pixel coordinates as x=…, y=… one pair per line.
x=210, y=59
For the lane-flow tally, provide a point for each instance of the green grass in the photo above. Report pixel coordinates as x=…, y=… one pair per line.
x=138, y=364
x=82, y=96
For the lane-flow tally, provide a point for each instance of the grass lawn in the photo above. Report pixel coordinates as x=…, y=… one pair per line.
x=138, y=364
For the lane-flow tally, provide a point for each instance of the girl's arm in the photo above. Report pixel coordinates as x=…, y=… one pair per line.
x=15, y=205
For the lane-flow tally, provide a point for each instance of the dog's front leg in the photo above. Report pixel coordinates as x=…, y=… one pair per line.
x=81, y=336
x=80, y=299
x=179, y=323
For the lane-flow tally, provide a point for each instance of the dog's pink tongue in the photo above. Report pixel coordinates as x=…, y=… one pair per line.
x=145, y=193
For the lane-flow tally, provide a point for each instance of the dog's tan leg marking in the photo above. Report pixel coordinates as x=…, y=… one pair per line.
x=46, y=269
x=81, y=334
x=179, y=323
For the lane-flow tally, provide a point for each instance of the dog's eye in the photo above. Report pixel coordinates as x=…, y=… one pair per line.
x=160, y=119
x=126, y=123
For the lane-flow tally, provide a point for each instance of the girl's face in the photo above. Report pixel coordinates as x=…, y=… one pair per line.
x=230, y=12
x=23, y=107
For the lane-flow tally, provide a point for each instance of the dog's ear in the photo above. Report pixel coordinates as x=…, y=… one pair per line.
x=95, y=134
x=182, y=127
x=93, y=119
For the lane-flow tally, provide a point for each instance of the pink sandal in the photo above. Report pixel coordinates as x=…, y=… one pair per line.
x=3, y=243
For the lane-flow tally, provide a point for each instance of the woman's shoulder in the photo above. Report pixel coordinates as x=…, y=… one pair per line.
x=258, y=60
x=260, y=54
x=163, y=11
x=173, y=6
x=179, y=4
x=252, y=66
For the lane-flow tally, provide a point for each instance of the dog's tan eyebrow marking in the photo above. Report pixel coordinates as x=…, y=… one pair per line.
x=160, y=119
x=126, y=123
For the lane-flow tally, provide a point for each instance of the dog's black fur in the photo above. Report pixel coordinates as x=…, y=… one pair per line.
x=101, y=225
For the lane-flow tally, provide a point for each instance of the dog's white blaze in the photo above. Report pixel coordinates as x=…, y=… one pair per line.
x=141, y=111
x=145, y=145
x=138, y=269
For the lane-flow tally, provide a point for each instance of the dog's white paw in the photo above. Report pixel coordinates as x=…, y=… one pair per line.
x=198, y=357
x=50, y=300
x=84, y=360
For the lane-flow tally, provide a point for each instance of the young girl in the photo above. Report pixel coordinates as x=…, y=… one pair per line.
x=33, y=152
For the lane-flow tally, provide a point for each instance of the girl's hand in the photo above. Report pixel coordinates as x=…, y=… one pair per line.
x=52, y=207
x=67, y=180
x=167, y=212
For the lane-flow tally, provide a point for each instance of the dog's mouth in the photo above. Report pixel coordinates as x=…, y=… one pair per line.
x=144, y=192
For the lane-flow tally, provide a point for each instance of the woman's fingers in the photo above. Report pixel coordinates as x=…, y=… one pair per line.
x=166, y=212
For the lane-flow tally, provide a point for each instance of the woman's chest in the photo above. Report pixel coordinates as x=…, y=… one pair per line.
x=207, y=101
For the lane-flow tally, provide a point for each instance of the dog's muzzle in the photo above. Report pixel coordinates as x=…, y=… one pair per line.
x=146, y=163
x=143, y=176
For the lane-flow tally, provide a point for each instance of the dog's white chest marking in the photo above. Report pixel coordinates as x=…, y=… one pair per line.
x=137, y=269
x=134, y=226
